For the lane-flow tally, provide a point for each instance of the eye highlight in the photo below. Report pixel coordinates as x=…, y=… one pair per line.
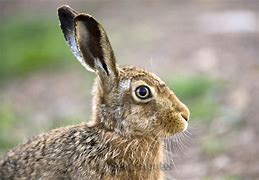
x=143, y=92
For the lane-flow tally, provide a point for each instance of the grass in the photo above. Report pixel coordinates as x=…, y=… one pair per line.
x=29, y=45
x=197, y=92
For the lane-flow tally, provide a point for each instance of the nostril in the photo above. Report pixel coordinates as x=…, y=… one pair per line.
x=185, y=116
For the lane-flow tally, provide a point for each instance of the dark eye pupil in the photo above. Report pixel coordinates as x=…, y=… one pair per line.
x=142, y=91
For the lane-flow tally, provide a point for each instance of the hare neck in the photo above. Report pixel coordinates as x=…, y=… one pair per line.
x=136, y=152
x=102, y=114
x=142, y=152
x=138, y=157
x=129, y=156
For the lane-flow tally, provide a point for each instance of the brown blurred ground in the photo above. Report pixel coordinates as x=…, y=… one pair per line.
x=218, y=39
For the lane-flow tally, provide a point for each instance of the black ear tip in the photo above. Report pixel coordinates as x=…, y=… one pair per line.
x=63, y=9
x=66, y=10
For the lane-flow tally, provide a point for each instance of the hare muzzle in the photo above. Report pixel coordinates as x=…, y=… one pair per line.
x=181, y=115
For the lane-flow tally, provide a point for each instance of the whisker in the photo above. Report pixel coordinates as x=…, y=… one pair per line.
x=187, y=131
x=150, y=147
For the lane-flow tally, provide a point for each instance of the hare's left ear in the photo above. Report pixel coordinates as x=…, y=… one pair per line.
x=89, y=43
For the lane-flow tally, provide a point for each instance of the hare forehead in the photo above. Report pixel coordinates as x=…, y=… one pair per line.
x=134, y=73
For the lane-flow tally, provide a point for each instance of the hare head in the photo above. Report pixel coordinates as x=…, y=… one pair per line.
x=127, y=100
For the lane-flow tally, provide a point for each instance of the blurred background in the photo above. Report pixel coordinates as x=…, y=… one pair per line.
x=206, y=50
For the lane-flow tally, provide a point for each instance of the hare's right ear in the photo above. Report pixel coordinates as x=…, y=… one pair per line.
x=89, y=42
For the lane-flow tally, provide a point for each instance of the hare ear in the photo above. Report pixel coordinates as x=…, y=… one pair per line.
x=66, y=17
x=88, y=41
x=94, y=46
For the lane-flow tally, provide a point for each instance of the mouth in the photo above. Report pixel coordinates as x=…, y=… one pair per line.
x=185, y=117
x=185, y=126
x=181, y=125
x=184, y=122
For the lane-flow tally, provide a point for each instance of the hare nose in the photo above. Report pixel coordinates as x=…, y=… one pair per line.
x=184, y=112
x=180, y=107
x=185, y=116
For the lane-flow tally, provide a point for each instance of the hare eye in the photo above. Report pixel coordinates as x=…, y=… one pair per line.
x=143, y=92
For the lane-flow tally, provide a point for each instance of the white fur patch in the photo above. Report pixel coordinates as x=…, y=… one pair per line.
x=124, y=85
x=73, y=45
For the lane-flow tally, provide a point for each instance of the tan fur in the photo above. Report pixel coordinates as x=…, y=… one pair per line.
x=123, y=138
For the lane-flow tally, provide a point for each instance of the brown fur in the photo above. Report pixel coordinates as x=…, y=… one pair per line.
x=123, y=138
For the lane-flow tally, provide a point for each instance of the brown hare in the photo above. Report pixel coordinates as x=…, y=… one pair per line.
x=132, y=111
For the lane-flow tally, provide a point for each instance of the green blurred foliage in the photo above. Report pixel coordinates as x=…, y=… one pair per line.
x=7, y=120
x=231, y=177
x=197, y=92
x=31, y=44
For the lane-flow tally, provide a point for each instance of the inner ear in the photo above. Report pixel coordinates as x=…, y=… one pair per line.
x=94, y=45
x=66, y=17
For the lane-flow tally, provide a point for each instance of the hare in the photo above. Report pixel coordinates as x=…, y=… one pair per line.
x=132, y=111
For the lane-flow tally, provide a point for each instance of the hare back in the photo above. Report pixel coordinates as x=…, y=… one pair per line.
x=61, y=153
x=80, y=152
